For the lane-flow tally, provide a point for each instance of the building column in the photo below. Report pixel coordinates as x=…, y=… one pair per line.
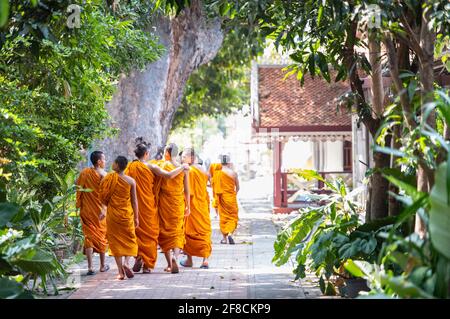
x=277, y=158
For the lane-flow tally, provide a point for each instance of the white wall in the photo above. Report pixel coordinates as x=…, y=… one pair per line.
x=297, y=155
x=329, y=156
x=334, y=156
x=360, y=152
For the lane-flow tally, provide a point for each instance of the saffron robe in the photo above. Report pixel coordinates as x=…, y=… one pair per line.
x=148, y=230
x=115, y=193
x=227, y=201
x=212, y=168
x=94, y=229
x=171, y=205
x=198, y=223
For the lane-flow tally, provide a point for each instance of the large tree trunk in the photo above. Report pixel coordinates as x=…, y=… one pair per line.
x=379, y=200
x=425, y=176
x=377, y=206
x=403, y=64
x=145, y=102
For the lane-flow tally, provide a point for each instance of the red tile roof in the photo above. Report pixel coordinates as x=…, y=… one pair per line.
x=284, y=103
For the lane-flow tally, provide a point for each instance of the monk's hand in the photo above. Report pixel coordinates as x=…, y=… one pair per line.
x=187, y=211
x=185, y=167
x=102, y=214
x=136, y=223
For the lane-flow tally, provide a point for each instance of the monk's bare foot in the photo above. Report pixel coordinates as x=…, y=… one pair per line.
x=167, y=269
x=120, y=277
x=128, y=271
x=105, y=268
x=175, y=269
x=204, y=265
x=146, y=270
x=186, y=263
x=137, y=264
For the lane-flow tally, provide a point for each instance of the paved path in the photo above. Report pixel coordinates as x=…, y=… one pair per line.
x=242, y=271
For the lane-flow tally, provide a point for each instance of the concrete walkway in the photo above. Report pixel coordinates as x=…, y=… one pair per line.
x=241, y=271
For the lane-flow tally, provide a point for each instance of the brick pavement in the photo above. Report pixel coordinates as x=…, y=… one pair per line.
x=241, y=271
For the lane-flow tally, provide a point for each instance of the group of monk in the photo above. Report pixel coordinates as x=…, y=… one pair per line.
x=149, y=203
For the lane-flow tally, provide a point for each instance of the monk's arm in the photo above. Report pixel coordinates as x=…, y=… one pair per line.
x=102, y=212
x=187, y=193
x=102, y=173
x=161, y=172
x=134, y=204
x=236, y=179
x=209, y=184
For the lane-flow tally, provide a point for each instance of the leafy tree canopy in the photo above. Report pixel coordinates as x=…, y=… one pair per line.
x=55, y=80
x=222, y=86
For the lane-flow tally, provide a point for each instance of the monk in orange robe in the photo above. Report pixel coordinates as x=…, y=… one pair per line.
x=198, y=223
x=147, y=234
x=227, y=185
x=92, y=217
x=212, y=168
x=173, y=207
x=118, y=193
x=159, y=157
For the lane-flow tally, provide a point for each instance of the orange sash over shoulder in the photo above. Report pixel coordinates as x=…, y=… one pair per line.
x=212, y=168
x=156, y=162
x=120, y=231
x=148, y=230
x=94, y=229
x=227, y=201
x=171, y=211
x=198, y=223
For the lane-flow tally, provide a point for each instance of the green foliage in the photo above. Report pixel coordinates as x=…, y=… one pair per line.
x=314, y=32
x=384, y=283
x=172, y=6
x=323, y=238
x=440, y=212
x=222, y=86
x=11, y=289
x=4, y=12
x=31, y=231
x=55, y=81
x=219, y=87
x=411, y=267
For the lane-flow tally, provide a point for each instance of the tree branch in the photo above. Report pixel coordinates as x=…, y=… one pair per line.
x=349, y=60
x=377, y=76
x=414, y=42
x=395, y=74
